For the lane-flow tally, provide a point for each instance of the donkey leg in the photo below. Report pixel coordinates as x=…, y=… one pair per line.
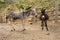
x=42, y=24
x=46, y=25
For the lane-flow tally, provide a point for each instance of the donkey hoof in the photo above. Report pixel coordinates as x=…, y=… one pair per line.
x=11, y=30
x=31, y=23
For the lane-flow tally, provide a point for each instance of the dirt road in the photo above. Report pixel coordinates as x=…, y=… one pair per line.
x=32, y=32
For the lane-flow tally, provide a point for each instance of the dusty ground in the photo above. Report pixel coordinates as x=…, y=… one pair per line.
x=32, y=32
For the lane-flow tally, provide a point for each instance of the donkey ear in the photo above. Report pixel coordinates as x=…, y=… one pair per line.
x=8, y=8
x=44, y=9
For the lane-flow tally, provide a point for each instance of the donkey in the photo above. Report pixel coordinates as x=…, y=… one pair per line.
x=44, y=17
x=21, y=15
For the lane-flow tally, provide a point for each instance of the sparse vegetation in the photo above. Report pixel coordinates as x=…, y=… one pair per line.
x=49, y=4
